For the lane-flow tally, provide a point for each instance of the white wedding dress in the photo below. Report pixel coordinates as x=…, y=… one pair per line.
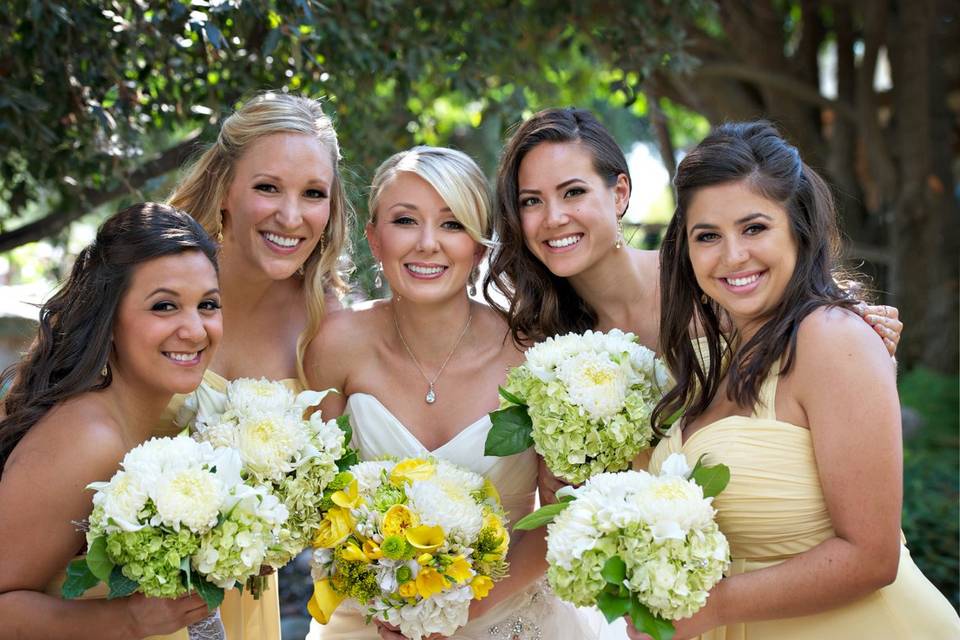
x=535, y=614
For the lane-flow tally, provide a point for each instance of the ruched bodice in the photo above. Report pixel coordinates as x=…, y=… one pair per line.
x=531, y=614
x=773, y=508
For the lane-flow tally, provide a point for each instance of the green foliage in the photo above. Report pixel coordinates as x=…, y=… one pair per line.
x=79, y=579
x=511, y=432
x=541, y=517
x=931, y=516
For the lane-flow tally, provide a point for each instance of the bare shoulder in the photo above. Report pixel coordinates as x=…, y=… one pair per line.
x=495, y=332
x=345, y=330
x=832, y=337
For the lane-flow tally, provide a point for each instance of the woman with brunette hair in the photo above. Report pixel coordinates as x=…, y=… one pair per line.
x=137, y=321
x=797, y=399
x=270, y=191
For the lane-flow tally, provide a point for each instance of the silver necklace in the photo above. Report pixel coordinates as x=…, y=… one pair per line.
x=431, y=396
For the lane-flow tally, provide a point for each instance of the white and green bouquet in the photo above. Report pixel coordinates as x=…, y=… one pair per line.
x=178, y=517
x=583, y=401
x=411, y=542
x=637, y=544
x=293, y=456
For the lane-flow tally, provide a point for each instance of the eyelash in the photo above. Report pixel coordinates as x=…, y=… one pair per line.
x=317, y=194
x=451, y=225
x=167, y=306
x=750, y=230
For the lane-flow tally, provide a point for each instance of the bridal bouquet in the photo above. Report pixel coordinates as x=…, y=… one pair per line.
x=176, y=518
x=413, y=542
x=584, y=401
x=293, y=457
x=637, y=544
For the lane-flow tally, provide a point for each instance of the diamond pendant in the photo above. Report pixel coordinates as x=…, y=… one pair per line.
x=431, y=397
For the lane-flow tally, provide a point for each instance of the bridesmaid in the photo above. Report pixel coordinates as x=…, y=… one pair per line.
x=269, y=190
x=418, y=373
x=137, y=321
x=812, y=511
x=563, y=187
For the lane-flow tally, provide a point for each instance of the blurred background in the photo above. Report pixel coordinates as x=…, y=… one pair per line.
x=101, y=102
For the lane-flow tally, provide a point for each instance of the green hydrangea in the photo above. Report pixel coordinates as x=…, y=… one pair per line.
x=152, y=557
x=583, y=583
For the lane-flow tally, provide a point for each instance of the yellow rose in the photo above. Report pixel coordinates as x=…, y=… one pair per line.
x=481, y=586
x=408, y=589
x=430, y=582
x=398, y=519
x=372, y=550
x=459, y=569
x=352, y=553
x=411, y=470
x=349, y=498
x=334, y=528
x=425, y=537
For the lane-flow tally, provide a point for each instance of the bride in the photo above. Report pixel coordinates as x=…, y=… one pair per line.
x=418, y=374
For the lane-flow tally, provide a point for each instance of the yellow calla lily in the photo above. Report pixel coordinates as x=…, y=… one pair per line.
x=408, y=589
x=481, y=586
x=352, y=553
x=334, y=528
x=424, y=559
x=459, y=569
x=324, y=601
x=425, y=537
x=349, y=497
x=430, y=582
x=398, y=519
x=372, y=550
x=490, y=491
x=411, y=470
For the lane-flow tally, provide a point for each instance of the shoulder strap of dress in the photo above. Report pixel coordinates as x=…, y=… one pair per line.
x=766, y=407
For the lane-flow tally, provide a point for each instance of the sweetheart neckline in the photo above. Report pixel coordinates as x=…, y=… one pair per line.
x=406, y=430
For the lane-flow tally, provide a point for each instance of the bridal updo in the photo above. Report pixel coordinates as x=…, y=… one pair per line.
x=70, y=352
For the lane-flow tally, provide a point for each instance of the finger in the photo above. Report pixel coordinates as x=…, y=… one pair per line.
x=891, y=347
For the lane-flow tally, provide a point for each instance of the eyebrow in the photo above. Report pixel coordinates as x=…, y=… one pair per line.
x=743, y=220
x=563, y=184
x=171, y=292
x=410, y=205
x=270, y=176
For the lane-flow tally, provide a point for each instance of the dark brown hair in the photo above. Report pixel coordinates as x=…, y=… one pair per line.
x=756, y=153
x=76, y=324
x=542, y=304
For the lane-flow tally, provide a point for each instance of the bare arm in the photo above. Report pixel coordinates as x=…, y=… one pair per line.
x=325, y=362
x=844, y=384
x=42, y=496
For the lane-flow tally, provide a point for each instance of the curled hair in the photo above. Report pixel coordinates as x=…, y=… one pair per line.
x=205, y=185
x=455, y=177
x=76, y=324
x=753, y=153
x=542, y=304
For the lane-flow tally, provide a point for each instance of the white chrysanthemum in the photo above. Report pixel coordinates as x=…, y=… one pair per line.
x=219, y=430
x=157, y=457
x=259, y=395
x=121, y=499
x=189, y=497
x=269, y=442
x=672, y=506
x=369, y=474
x=448, y=506
x=443, y=613
x=449, y=473
x=594, y=383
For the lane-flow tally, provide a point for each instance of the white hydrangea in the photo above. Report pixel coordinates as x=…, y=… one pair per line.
x=370, y=473
x=444, y=613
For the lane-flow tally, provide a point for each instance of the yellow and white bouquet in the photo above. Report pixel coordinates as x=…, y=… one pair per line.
x=412, y=542
x=583, y=400
x=637, y=544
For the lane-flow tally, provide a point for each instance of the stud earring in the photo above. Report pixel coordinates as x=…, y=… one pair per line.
x=619, y=244
x=105, y=371
x=378, y=281
x=704, y=299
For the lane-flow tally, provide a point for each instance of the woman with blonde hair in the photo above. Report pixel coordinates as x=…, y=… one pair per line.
x=270, y=192
x=418, y=374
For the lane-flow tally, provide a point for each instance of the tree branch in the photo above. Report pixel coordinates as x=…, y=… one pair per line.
x=90, y=198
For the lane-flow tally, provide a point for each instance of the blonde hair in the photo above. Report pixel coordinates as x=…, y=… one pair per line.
x=455, y=177
x=205, y=184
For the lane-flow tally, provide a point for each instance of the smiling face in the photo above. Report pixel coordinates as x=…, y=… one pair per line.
x=426, y=252
x=168, y=325
x=568, y=212
x=278, y=204
x=742, y=250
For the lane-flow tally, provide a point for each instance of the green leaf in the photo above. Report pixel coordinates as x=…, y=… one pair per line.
x=211, y=593
x=347, y=461
x=185, y=567
x=79, y=579
x=344, y=423
x=612, y=605
x=98, y=561
x=510, y=432
x=541, y=517
x=713, y=479
x=614, y=571
x=120, y=585
x=644, y=621
x=509, y=397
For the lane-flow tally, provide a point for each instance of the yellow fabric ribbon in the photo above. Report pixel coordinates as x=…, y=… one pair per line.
x=324, y=601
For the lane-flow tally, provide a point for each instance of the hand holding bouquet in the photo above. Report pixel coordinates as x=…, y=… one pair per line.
x=584, y=401
x=176, y=518
x=413, y=542
x=637, y=544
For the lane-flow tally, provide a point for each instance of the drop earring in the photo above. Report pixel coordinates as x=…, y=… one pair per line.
x=704, y=299
x=378, y=281
x=619, y=244
x=472, y=288
x=105, y=371
x=219, y=236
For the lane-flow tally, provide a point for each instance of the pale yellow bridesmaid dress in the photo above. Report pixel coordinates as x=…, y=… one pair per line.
x=774, y=509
